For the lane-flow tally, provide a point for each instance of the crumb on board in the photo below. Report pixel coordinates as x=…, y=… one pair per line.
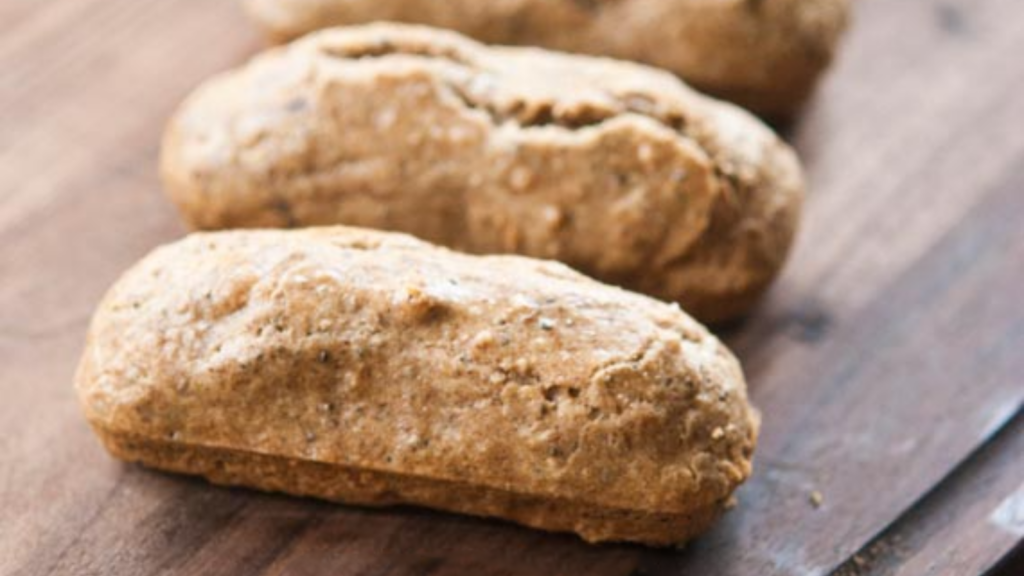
x=816, y=499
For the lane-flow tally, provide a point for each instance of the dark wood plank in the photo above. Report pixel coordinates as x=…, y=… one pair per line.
x=888, y=354
x=965, y=525
x=1012, y=564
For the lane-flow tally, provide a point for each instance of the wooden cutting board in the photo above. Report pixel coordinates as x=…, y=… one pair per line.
x=888, y=361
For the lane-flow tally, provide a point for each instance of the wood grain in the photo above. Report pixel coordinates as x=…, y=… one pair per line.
x=984, y=499
x=886, y=361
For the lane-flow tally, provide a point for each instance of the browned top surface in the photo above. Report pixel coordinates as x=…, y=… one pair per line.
x=888, y=353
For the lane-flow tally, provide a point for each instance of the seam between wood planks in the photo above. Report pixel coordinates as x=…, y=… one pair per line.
x=910, y=534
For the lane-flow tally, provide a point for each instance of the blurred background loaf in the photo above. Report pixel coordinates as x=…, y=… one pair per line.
x=765, y=55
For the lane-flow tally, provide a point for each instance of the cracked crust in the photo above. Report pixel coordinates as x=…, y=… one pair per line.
x=373, y=368
x=618, y=170
x=765, y=55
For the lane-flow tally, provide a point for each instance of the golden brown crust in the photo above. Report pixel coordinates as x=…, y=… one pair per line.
x=765, y=55
x=616, y=169
x=497, y=380
x=345, y=484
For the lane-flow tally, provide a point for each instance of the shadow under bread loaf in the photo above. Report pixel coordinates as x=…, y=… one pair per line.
x=616, y=169
x=373, y=368
x=766, y=55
